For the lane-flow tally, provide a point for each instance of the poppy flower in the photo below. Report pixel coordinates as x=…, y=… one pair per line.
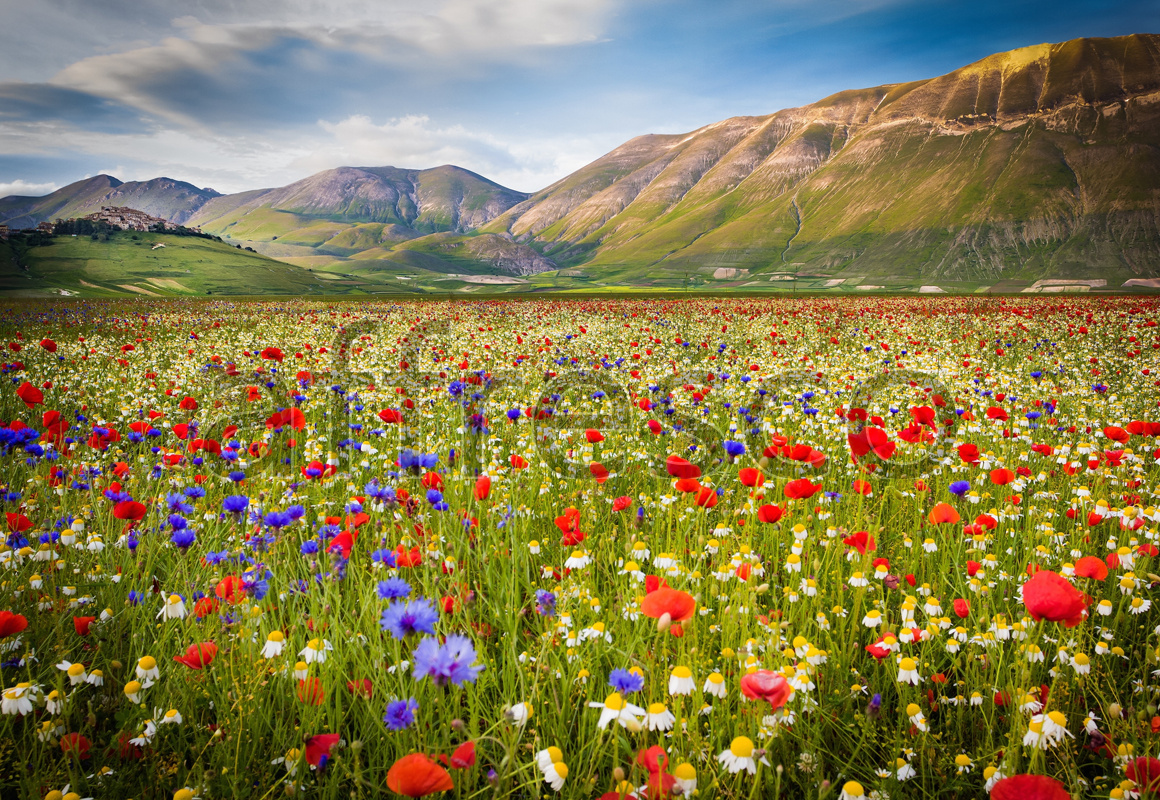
x=30, y=395
x=621, y=503
x=74, y=744
x=17, y=523
x=677, y=604
x=1048, y=596
x=310, y=691
x=198, y=656
x=861, y=541
x=417, y=775
x=599, y=471
x=518, y=462
x=48, y=344
x=318, y=749
x=1091, y=567
x=769, y=514
x=706, y=497
x=801, y=488
x=464, y=756
x=653, y=759
x=11, y=624
x=943, y=513
x=129, y=510
x=1029, y=787
x=81, y=625
x=231, y=589
x=1145, y=772
x=871, y=440
x=1002, y=477
x=390, y=416
x=681, y=468
x=750, y=476
x=766, y=685
x=962, y=608
x=593, y=436
x=969, y=453
x=273, y=354
x=482, y=487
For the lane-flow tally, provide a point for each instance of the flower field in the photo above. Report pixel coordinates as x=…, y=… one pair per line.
x=823, y=548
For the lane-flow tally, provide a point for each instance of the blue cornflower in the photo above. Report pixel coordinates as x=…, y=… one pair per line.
x=194, y=492
x=400, y=714
x=545, y=603
x=235, y=504
x=451, y=662
x=385, y=557
x=734, y=449
x=176, y=502
x=393, y=589
x=183, y=538
x=960, y=487
x=416, y=616
x=309, y=547
x=625, y=682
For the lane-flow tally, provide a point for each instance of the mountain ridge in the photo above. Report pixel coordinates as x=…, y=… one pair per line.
x=1035, y=163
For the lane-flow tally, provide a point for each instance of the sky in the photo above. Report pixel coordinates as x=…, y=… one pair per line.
x=247, y=94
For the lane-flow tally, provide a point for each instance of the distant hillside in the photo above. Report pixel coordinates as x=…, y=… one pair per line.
x=132, y=264
x=161, y=197
x=1040, y=162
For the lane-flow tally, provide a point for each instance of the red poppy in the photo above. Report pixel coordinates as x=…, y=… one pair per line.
x=766, y=685
x=653, y=759
x=11, y=624
x=74, y=744
x=749, y=476
x=129, y=510
x=962, y=608
x=48, y=344
x=416, y=775
x=1029, y=787
x=621, y=503
x=30, y=395
x=1047, y=595
x=390, y=416
x=231, y=589
x=680, y=468
x=482, y=487
x=1091, y=567
x=801, y=488
x=318, y=748
x=943, y=513
x=871, y=440
x=861, y=541
x=187, y=404
x=863, y=488
x=706, y=497
x=1145, y=772
x=1002, y=477
x=464, y=756
x=969, y=453
x=677, y=604
x=272, y=354
x=310, y=691
x=519, y=462
x=198, y=656
x=18, y=522
x=81, y=625
x=593, y=436
x=599, y=471
x=769, y=514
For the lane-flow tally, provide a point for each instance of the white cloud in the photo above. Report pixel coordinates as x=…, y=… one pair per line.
x=27, y=189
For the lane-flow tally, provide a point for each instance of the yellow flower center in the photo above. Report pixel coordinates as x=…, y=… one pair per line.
x=742, y=747
x=614, y=701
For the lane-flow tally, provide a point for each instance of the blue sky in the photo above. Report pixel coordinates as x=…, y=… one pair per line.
x=242, y=94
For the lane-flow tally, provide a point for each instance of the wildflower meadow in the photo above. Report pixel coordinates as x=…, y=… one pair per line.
x=635, y=548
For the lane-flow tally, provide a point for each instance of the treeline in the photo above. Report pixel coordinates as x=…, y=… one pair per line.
x=88, y=227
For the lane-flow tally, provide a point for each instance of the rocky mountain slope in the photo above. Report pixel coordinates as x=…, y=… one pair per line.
x=160, y=197
x=1043, y=160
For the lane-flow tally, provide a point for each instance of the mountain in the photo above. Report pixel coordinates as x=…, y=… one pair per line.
x=1036, y=169
x=1039, y=163
x=160, y=197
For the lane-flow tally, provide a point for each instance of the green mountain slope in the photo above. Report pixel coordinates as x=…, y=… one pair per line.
x=160, y=197
x=1042, y=162
x=130, y=264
